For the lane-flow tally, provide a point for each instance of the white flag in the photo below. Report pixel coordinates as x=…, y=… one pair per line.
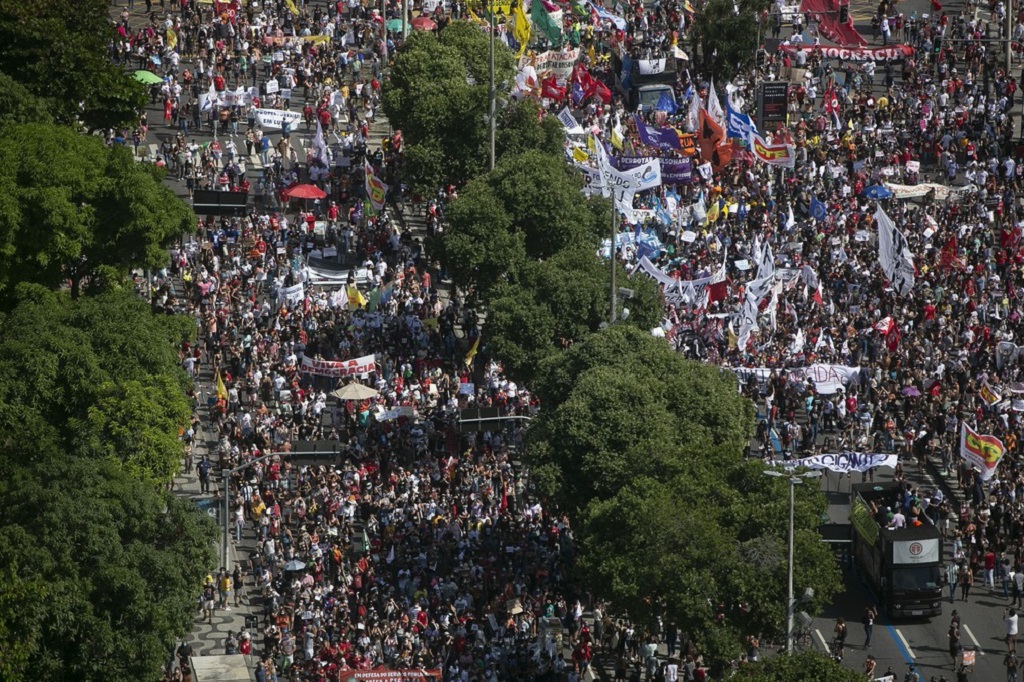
x=693, y=113
x=569, y=122
x=318, y=148
x=798, y=342
x=748, y=323
x=715, y=107
x=894, y=254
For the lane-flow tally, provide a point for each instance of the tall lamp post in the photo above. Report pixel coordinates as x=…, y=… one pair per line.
x=793, y=480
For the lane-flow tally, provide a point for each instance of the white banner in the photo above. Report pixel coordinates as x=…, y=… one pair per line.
x=845, y=462
x=894, y=254
x=827, y=378
x=396, y=412
x=271, y=119
x=916, y=551
x=556, y=62
x=569, y=122
x=649, y=67
x=360, y=367
x=1007, y=353
x=292, y=294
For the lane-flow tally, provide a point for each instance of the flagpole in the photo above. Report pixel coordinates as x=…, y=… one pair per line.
x=491, y=103
x=611, y=258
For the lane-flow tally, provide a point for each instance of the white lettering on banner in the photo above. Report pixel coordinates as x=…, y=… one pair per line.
x=275, y=118
x=649, y=67
x=569, y=122
x=845, y=462
x=916, y=551
x=360, y=367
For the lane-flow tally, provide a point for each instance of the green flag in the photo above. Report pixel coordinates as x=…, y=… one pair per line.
x=543, y=22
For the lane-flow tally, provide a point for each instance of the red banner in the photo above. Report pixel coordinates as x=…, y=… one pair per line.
x=386, y=675
x=774, y=154
x=856, y=54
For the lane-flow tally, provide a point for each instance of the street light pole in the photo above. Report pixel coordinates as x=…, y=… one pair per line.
x=491, y=99
x=226, y=492
x=612, y=256
x=793, y=481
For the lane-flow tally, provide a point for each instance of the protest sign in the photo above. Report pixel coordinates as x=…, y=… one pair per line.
x=360, y=367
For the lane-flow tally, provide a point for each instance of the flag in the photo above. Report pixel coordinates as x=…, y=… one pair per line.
x=503, y=505
x=521, y=30
x=739, y=125
x=356, y=300
x=172, y=39
x=666, y=104
x=652, y=136
x=774, y=154
x=715, y=106
x=550, y=89
x=709, y=136
x=818, y=210
x=545, y=23
x=476, y=343
x=713, y=212
x=222, y=391
x=210, y=100
x=291, y=7
x=318, y=148
x=569, y=122
x=884, y=325
x=605, y=15
x=616, y=136
x=988, y=394
x=894, y=254
x=798, y=342
x=376, y=191
x=948, y=257
x=693, y=113
x=983, y=451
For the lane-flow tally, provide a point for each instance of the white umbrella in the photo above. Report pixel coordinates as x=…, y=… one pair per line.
x=355, y=391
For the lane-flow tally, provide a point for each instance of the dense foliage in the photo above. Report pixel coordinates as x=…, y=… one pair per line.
x=645, y=449
x=99, y=564
x=804, y=667
x=73, y=210
x=726, y=35
x=58, y=50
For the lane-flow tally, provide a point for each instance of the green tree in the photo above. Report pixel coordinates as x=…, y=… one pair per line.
x=72, y=209
x=104, y=371
x=727, y=38
x=58, y=49
x=437, y=95
x=18, y=105
x=807, y=666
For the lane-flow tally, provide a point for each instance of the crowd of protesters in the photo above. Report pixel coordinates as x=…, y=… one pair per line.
x=417, y=546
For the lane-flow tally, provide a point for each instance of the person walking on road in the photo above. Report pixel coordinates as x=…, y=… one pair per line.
x=204, y=475
x=870, y=614
x=954, y=640
x=1018, y=587
x=1011, y=630
x=966, y=580
x=1012, y=665
x=952, y=578
x=869, y=667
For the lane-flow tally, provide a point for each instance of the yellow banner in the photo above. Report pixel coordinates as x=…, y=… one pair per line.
x=317, y=40
x=482, y=6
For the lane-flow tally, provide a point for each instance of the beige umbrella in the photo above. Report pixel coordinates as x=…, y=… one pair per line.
x=355, y=391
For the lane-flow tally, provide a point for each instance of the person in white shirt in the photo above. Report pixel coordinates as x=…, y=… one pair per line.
x=1011, y=631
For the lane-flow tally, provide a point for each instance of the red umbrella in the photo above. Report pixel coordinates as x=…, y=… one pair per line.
x=304, y=192
x=422, y=23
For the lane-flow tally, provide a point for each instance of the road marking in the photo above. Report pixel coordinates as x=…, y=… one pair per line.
x=903, y=640
x=977, y=646
x=824, y=644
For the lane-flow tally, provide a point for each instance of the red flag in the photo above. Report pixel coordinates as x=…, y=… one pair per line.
x=892, y=338
x=817, y=295
x=948, y=257
x=503, y=507
x=884, y=326
x=550, y=89
x=717, y=292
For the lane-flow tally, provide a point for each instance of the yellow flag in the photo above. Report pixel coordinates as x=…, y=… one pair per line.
x=472, y=352
x=578, y=155
x=713, y=212
x=291, y=7
x=733, y=339
x=356, y=298
x=521, y=29
x=222, y=391
x=172, y=38
x=616, y=138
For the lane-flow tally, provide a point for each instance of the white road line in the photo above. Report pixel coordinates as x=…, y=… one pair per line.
x=974, y=639
x=905, y=643
x=824, y=644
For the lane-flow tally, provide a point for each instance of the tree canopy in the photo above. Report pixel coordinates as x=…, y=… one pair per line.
x=101, y=564
x=807, y=666
x=58, y=50
x=645, y=449
x=103, y=371
x=72, y=209
x=726, y=33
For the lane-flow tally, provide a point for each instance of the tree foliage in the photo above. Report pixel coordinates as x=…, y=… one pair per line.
x=645, y=449
x=437, y=95
x=727, y=36
x=807, y=666
x=104, y=371
x=58, y=49
x=71, y=209
x=18, y=105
